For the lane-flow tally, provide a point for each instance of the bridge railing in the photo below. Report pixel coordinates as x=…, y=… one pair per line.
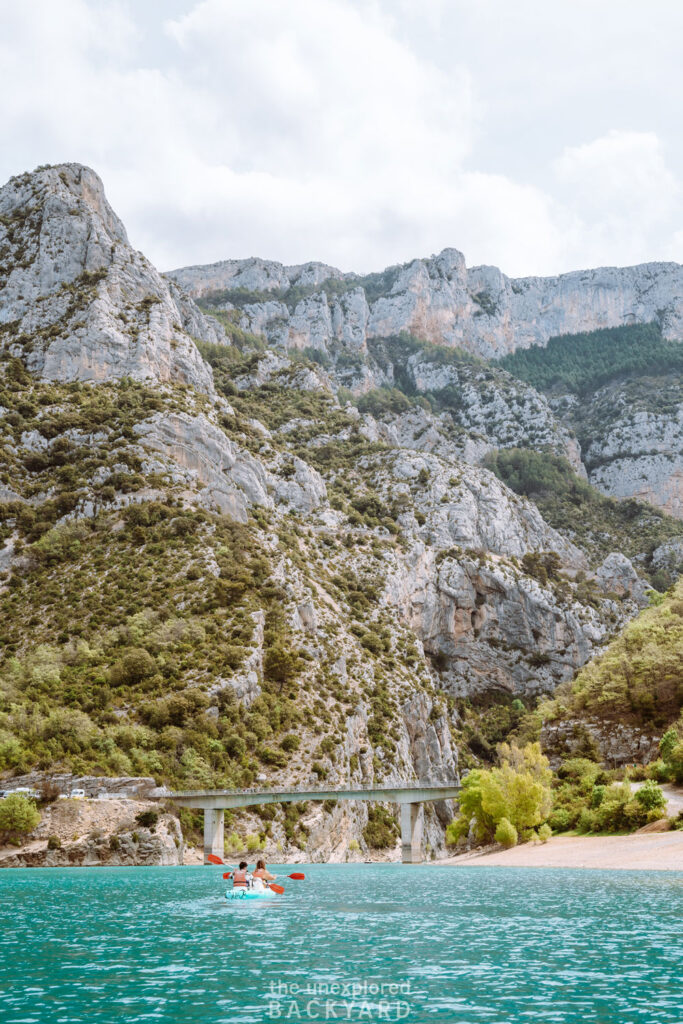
x=351, y=787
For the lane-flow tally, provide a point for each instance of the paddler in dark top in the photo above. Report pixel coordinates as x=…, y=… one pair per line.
x=241, y=879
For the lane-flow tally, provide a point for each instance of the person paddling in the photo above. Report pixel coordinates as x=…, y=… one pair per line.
x=262, y=875
x=241, y=879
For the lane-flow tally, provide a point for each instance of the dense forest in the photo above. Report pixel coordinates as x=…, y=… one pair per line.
x=583, y=362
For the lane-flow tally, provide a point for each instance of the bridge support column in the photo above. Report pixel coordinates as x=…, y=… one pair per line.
x=412, y=821
x=213, y=833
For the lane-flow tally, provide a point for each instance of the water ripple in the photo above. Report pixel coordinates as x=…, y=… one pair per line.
x=469, y=946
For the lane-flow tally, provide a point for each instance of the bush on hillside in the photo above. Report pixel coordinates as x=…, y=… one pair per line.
x=506, y=833
x=651, y=797
x=136, y=665
x=18, y=816
x=638, y=678
x=381, y=830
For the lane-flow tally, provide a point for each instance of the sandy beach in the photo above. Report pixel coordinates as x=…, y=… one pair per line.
x=658, y=851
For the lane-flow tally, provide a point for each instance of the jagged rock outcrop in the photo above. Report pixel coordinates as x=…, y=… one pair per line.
x=492, y=410
x=617, y=576
x=231, y=480
x=618, y=743
x=252, y=275
x=439, y=299
x=76, y=301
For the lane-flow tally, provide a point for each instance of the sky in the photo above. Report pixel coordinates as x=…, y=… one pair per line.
x=537, y=136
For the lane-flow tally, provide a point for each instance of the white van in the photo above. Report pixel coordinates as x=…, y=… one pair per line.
x=77, y=794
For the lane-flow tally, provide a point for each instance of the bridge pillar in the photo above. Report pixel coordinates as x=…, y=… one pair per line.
x=213, y=833
x=412, y=821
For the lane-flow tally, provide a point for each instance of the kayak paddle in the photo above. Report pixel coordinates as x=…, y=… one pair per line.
x=213, y=859
x=298, y=875
x=277, y=888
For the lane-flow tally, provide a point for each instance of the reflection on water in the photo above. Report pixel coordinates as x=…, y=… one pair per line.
x=361, y=942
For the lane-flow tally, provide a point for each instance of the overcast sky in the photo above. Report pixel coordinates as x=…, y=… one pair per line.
x=537, y=135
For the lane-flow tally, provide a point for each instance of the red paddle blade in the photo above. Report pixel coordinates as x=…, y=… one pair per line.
x=277, y=888
x=298, y=875
x=213, y=859
x=227, y=874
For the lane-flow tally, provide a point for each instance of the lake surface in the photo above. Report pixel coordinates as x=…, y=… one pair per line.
x=464, y=946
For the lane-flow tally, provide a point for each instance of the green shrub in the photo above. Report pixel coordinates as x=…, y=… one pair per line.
x=290, y=742
x=136, y=665
x=506, y=833
x=233, y=843
x=381, y=830
x=18, y=815
x=54, y=843
x=254, y=843
x=147, y=819
x=276, y=758
x=235, y=747
x=545, y=832
x=650, y=796
x=560, y=820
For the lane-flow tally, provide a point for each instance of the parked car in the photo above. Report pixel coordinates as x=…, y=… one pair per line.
x=77, y=794
x=24, y=790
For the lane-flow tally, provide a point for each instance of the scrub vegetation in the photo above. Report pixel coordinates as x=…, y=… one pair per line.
x=596, y=523
x=638, y=678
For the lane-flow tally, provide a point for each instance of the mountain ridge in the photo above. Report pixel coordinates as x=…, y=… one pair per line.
x=225, y=562
x=440, y=299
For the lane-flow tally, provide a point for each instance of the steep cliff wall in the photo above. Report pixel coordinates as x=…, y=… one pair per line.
x=438, y=299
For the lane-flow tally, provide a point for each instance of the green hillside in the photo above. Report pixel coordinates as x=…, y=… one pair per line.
x=639, y=677
x=580, y=363
x=597, y=523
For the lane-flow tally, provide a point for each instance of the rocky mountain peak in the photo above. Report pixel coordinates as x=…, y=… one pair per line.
x=76, y=301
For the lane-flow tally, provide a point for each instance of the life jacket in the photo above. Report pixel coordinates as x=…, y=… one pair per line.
x=240, y=879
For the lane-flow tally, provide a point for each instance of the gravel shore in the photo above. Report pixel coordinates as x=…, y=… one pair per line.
x=659, y=851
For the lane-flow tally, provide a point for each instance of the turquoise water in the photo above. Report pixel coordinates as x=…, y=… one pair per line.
x=466, y=945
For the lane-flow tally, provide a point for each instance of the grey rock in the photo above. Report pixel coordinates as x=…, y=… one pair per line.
x=77, y=300
x=232, y=480
x=617, y=575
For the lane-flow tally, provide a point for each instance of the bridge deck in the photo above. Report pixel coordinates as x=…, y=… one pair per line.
x=212, y=799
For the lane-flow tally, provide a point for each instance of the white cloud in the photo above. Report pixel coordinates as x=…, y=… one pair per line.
x=623, y=191
x=316, y=130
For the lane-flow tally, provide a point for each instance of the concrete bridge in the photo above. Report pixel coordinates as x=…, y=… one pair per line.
x=410, y=799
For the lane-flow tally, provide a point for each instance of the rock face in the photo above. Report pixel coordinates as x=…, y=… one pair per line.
x=231, y=480
x=616, y=575
x=92, y=833
x=618, y=743
x=76, y=300
x=459, y=586
x=439, y=299
x=634, y=443
x=252, y=275
x=489, y=408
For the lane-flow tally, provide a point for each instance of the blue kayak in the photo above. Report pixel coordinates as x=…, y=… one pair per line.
x=251, y=894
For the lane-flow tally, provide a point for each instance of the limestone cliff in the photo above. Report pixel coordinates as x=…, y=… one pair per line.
x=76, y=301
x=238, y=573
x=438, y=299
